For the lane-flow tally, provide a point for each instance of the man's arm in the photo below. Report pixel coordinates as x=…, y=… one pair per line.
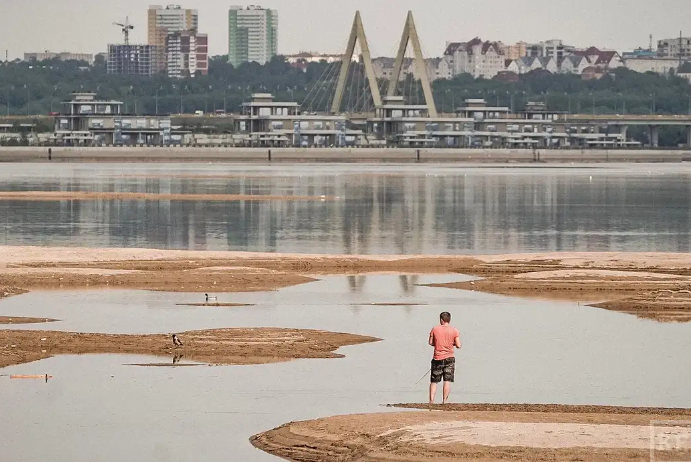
x=431, y=339
x=457, y=341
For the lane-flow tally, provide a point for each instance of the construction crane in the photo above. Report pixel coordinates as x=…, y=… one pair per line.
x=126, y=28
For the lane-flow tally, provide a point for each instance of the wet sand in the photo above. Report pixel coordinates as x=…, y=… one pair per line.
x=650, y=285
x=219, y=346
x=132, y=196
x=21, y=320
x=227, y=305
x=484, y=433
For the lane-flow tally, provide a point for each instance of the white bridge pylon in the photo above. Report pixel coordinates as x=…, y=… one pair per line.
x=357, y=35
x=410, y=36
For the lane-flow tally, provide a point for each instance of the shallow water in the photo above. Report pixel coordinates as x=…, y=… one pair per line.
x=515, y=350
x=391, y=209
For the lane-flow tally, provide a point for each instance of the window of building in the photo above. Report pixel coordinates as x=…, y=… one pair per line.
x=277, y=125
x=318, y=125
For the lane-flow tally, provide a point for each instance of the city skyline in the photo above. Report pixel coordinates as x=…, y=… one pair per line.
x=308, y=25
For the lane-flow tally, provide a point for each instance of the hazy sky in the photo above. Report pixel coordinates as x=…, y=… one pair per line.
x=323, y=25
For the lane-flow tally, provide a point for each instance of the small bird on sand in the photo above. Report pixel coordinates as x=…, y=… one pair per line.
x=209, y=299
x=176, y=340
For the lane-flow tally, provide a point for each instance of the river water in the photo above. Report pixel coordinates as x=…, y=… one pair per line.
x=515, y=350
x=391, y=209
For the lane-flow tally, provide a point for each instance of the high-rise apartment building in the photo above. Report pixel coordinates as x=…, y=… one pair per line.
x=550, y=49
x=172, y=26
x=132, y=59
x=679, y=47
x=187, y=54
x=252, y=34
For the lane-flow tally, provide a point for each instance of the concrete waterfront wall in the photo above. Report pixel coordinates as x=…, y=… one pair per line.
x=187, y=154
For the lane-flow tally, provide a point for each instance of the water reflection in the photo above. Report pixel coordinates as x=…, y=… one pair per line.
x=453, y=211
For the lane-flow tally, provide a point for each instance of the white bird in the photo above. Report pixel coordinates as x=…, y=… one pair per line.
x=176, y=340
x=210, y=299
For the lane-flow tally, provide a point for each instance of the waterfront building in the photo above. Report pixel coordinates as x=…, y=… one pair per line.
x=265, y=122
x=252, y=34
x=86, y=121
x=133, y=59
x=476, y=125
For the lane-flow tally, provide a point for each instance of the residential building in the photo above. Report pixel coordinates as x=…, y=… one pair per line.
x=513, y=52
x=86, y=121
x=550, y=49
x=187, y=54
x=313, y=57
x=574, y=64
x=679, y=47
x=133, y=59
x=549, y=64
x=437, y=68
x=524, y=65
x=252, y=34
x=168, y=20
x=477, y=58
x=602, y=59
x=655, y=64
x=63, y=56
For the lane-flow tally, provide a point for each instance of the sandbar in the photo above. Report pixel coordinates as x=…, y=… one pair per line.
x=137, y=196
x=23, y=320
x=218, y=346
x=486, y=433
x=655, y=286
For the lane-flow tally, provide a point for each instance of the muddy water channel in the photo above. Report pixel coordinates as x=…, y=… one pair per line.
x=99, y=407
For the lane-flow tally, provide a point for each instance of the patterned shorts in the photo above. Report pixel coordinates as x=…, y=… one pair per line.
x=445, y=368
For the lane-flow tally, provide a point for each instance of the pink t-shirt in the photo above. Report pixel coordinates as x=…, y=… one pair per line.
x=444, y=338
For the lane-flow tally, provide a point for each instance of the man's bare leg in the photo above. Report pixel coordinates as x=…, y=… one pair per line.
x=447, y=391
x=432, y=392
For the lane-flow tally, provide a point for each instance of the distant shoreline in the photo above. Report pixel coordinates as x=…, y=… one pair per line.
x=340, y=155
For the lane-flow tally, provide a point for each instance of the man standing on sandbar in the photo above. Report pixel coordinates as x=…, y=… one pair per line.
x=443, y=338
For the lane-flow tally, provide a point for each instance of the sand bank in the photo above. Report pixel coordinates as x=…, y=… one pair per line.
x=219, y=346
x=484, y=433
x=21, y=320
x=135, y=196
x=650, y=285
